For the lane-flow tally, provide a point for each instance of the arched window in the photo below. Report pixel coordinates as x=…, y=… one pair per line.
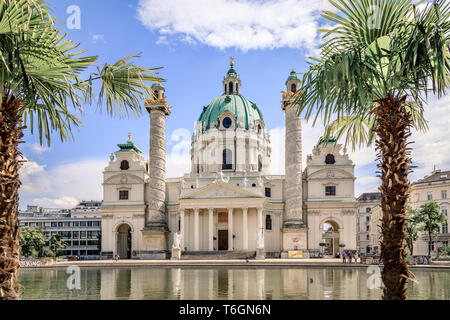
x=268, y=222
x=329, y=159
x=230, y=87
x=259, y=163
x=227, y=159
x=157, y=94
x=293, y=87
x=124, y=165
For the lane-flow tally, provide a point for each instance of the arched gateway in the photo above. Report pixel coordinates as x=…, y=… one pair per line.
x=124, y=241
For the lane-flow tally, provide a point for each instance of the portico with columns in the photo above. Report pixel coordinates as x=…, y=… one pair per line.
x=220, y=217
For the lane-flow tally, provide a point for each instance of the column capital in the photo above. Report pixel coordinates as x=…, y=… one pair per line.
x=210, y=209
x=245, y=209
x=230, y=210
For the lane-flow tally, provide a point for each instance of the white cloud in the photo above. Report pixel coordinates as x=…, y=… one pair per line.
x=98, y=37
x=432, y=147
x=62, y=185
x=244, y=24
x=178, y=160
x=63, y=202
x=36, y=148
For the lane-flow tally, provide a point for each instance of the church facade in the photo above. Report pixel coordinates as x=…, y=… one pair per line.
x=229, y=201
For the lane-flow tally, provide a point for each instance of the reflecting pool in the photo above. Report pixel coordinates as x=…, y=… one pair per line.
x=219, y=283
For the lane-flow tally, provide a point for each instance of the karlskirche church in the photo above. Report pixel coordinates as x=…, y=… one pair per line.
x=229, y=201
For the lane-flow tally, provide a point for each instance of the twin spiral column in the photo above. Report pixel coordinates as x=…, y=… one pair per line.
x=156, y=215
x=293, y=165
x=155, y=233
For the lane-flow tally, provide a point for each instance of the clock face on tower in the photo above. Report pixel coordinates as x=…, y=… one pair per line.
x=227, y=122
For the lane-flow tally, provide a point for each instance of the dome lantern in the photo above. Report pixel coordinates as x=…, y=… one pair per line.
x=231, y=82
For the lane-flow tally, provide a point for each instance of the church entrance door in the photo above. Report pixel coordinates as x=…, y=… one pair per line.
x=223, y=239
x=124, y=241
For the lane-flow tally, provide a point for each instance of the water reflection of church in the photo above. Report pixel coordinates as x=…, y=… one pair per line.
x=229, y=197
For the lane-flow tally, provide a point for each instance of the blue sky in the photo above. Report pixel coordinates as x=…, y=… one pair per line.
x=192, y=40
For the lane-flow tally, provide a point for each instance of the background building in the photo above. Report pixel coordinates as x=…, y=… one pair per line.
x=433, y=187
x=366, y=202
x=80, y=227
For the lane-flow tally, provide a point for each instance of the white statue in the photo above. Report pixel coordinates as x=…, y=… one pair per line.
x=245, y=181
x=221, y=177
x=260, y=182
x=111, y=157
x=260, y=242
x=176, y=241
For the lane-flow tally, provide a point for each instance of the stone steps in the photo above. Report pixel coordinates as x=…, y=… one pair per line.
x=217, y=255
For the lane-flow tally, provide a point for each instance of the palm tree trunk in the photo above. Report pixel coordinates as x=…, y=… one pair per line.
x=10, y=134
x=392, y=131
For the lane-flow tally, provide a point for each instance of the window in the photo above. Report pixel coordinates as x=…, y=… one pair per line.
x=293, y=87
x=60, y=224
x=268, y=222
x=76, y=223
x=259, y=163
x=330, y=190
x=124, y=165
x=445, y=228
x=367, y=219
x=96, y=223
x=123, y=194
x=444, y=211
x=76, y=234
x=83, y=224
x=367, y=228
x=444, y=194
x=230, y=88
x=367, y=237
x=227, y=159
x=367, y=210
x=429, y=196
x=268, y=192
x=83, y=234
x=226, y=122
x=329, y=159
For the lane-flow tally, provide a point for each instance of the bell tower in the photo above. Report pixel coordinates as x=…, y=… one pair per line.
x=231, y=82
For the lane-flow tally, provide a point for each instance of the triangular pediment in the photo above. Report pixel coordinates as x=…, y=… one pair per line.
x=220, y=190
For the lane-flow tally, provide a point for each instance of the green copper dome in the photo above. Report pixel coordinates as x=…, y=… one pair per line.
x=155, y=84
x=292, y=76
x=246, y=111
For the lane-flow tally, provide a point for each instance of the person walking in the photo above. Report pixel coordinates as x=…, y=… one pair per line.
x=343, y=257
x=349, y=257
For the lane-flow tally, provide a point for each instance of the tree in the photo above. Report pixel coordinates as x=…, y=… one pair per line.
x=31, y=241
x=429, y=218
x=412, y=233
x=55, y=243
x=380, y=61
x=40, y=82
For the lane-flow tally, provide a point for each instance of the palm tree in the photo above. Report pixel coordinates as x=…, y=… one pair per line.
x=380, y=62
x=40, y=81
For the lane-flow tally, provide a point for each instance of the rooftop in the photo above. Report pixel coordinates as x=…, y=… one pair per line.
x=436, y=176
x=367, y=196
